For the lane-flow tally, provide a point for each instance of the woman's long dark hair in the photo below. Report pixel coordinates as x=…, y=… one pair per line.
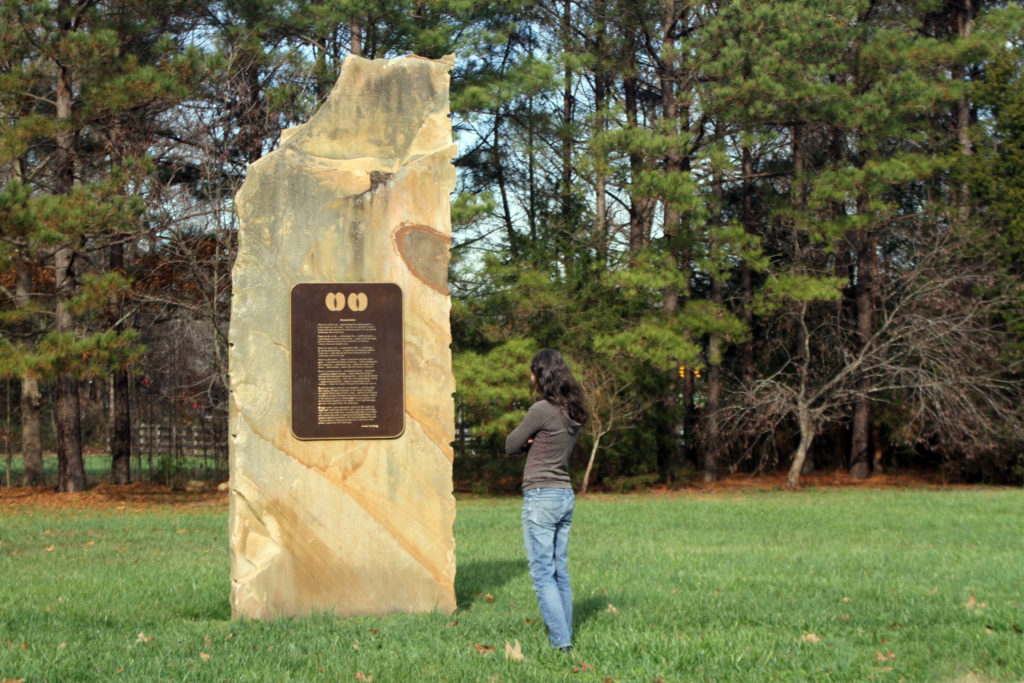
x=554, y=381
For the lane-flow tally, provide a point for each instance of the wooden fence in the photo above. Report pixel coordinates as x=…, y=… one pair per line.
x=200, y=446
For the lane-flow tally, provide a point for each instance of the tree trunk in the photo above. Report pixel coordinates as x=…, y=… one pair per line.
x=120, y=429
x=860, y=456
x=70, y=464
x=746, y=275
x=640, y=207
x=964, y=18
x=712, y=435
x=590, y=464
x=506, y=210
x=675, y=163
x=601, y=88
x=690, y=450
x=356, y=46
x=803, y=413
x=712, y=439
x=31, y=441
x=800, y=455
x=70, y=467
x=567, y=117
x=601, y=216
x=31, y=398
x=531, y=175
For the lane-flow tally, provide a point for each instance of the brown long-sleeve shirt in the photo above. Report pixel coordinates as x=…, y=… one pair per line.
x=554, y=435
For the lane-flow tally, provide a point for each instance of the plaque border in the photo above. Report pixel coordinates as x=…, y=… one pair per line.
x=291, y=367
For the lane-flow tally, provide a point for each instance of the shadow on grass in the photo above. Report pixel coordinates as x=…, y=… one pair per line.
x=584, y=610
x=478, y=578
x=213, y=610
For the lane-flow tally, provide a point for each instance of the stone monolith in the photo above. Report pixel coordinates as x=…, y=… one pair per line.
x=359, y=194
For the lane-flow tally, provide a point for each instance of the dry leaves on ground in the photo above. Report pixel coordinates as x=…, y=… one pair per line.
x=141, y=495
x=514, y=653
x=972, y=603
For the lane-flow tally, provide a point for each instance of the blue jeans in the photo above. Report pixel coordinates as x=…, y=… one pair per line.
x=547, y=514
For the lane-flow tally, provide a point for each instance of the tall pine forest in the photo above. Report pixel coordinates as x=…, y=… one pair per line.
x=768, y=235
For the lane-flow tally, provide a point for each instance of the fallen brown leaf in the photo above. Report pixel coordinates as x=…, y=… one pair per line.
x=973, y=604
x=810, y=638
x=888, y=657
x=582, y=668
x=612, y=609
x=483, y=649
x=514, y=653
x=203, y=656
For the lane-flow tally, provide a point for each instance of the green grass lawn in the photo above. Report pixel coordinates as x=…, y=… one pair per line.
x=847, y=585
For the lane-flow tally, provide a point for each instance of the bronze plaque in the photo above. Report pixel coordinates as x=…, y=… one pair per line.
x=347, y=361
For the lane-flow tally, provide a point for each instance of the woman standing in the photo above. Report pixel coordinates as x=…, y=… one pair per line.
x=548, y=434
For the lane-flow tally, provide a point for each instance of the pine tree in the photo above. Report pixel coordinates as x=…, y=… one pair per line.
x=79, y=78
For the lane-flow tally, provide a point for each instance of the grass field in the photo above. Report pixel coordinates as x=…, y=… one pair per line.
x=847, y=585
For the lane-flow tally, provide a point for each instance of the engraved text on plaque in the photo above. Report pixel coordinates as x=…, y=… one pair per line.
x=347, y=380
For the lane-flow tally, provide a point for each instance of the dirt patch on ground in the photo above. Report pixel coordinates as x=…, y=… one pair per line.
x=770, y=481
x=140, y=495
x=105, y=496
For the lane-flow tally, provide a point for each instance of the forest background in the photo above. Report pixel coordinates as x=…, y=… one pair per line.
x=765, y=233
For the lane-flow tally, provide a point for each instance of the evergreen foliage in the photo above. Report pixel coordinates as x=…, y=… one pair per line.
x=763, y=232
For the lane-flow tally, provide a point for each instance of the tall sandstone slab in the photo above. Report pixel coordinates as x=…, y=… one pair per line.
x=358, y=194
